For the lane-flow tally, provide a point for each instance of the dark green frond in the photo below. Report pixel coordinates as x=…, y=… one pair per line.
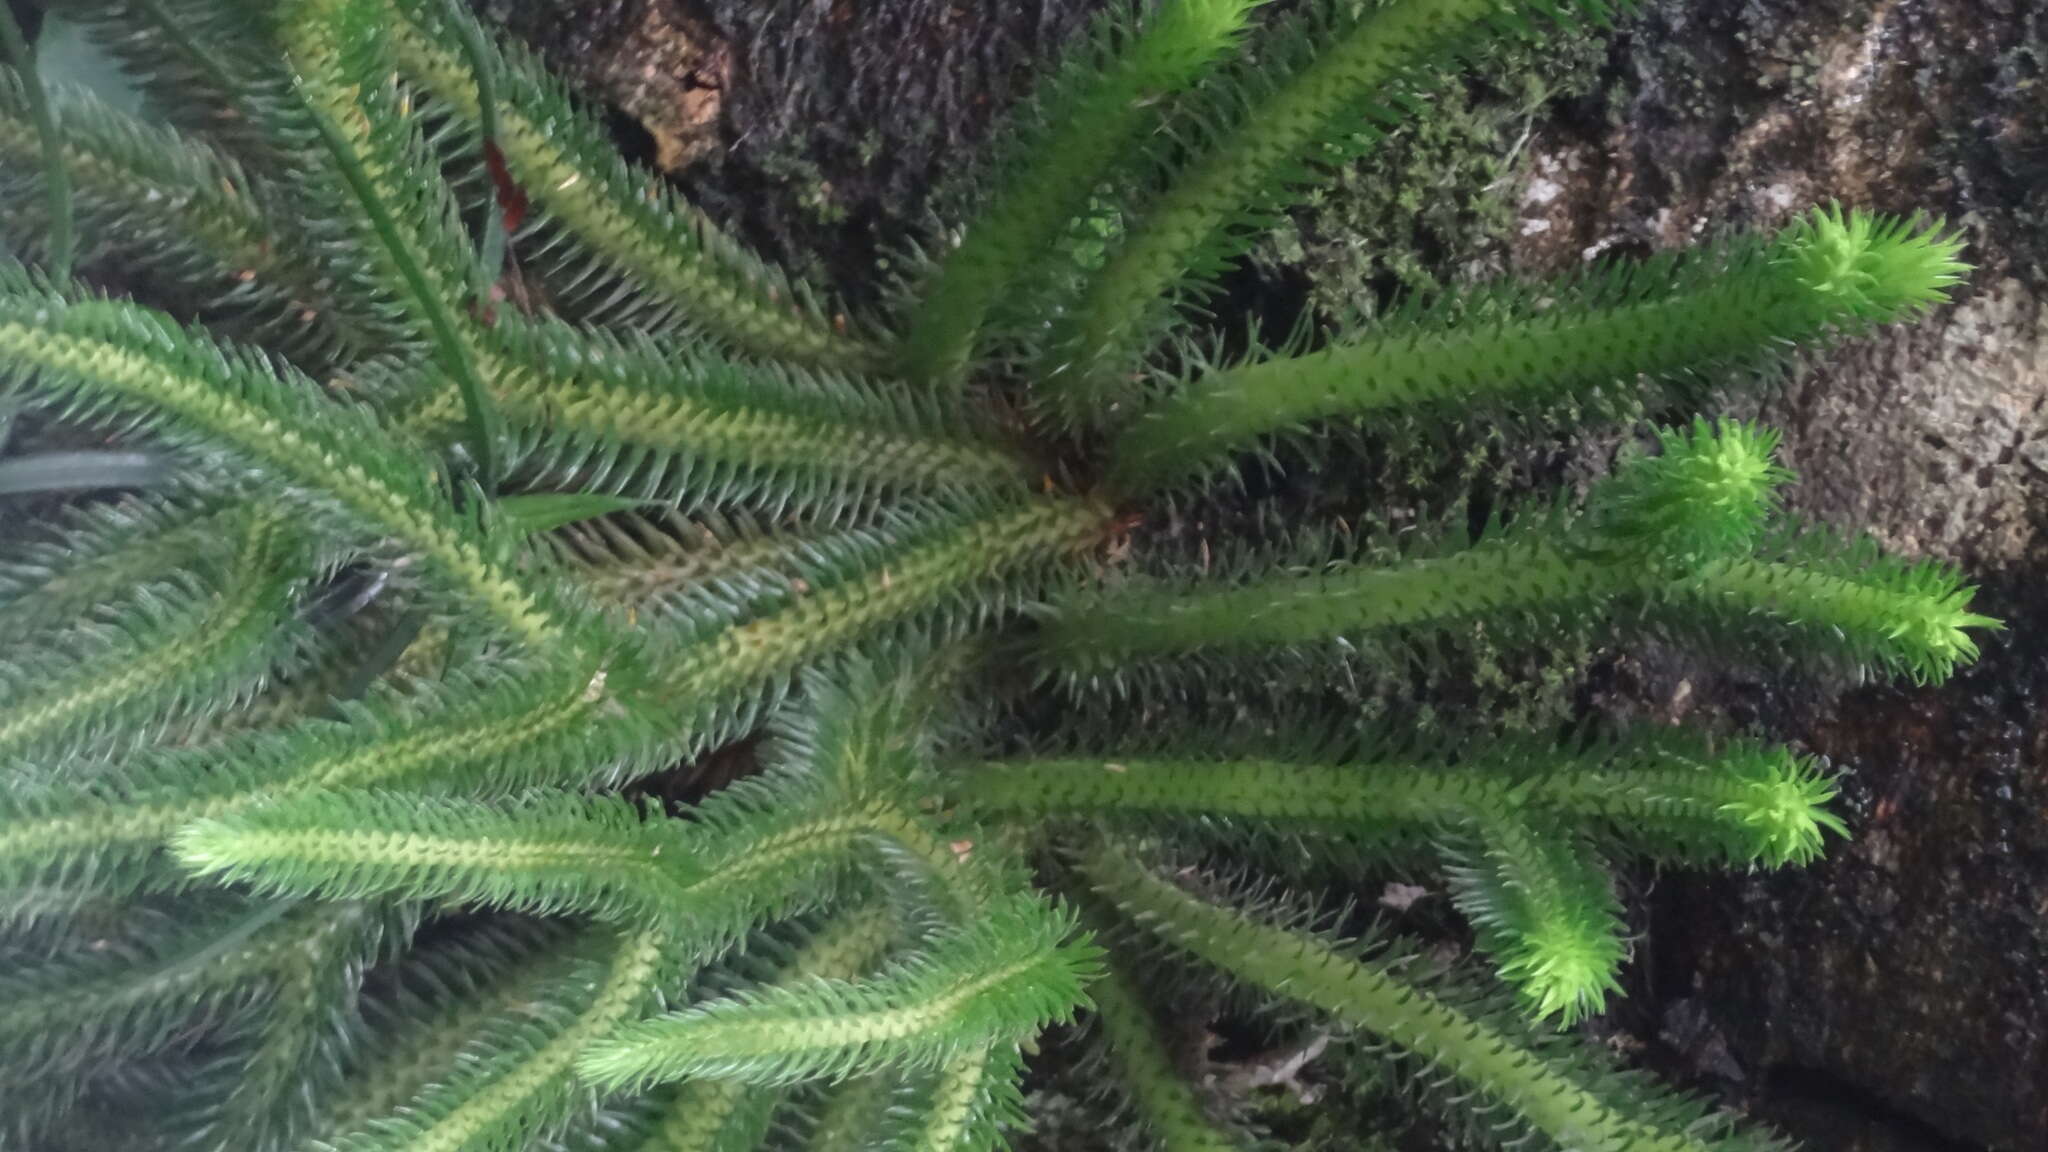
x=422, y=1015
x=671, y=566
x=94, y=358
x=949, y=571
x=182, y=217
x=181, y=649
x=859, y=727
x=403, y=216
x=709, y=1116
x=852, y=1112
x=862, y=730
x=208, y=66
x=135, y=996
x=683, y=425
x=34, y=1123
x=770, y=856
x=97, y=554
x=293, y=1055
x=511, y=1083
x=726, y=1115
x=965, y=1105
x=55, y=169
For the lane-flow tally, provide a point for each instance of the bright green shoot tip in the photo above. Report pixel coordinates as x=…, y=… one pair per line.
x=1185, y=37
x=1785, y=812
x=1542, y=905
x=1706, y=494
x=1565, y=971
x=1935, y=628
x=1874, y=267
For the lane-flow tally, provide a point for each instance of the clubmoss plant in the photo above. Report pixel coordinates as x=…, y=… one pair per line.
x=357, y=783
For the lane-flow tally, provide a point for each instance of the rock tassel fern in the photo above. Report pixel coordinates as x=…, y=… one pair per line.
x=344, y=797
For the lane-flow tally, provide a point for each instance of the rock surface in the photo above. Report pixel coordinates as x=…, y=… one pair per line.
x=1895, y=997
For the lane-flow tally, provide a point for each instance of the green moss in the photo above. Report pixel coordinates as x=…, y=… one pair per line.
x=1438, y=196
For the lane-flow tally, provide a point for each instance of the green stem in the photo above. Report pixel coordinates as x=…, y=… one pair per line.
x=1828, y=271
x=1542, y=905
x=1911, y=618
x=1498, y=576
x=1745, y=803
x=948, y=1113
x=994, y=982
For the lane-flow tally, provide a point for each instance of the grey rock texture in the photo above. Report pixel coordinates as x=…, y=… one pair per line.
x=1895, y=997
